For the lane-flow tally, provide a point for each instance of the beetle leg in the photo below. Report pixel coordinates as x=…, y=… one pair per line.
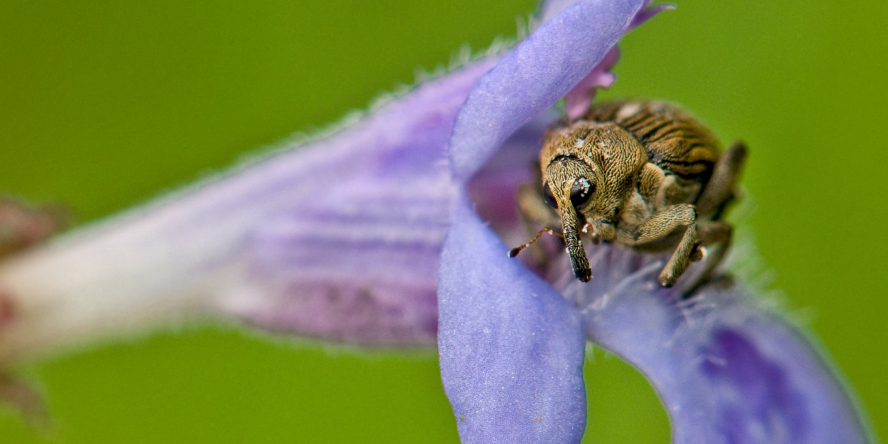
x=661, y=224
x=720, y=188
x=719, y=236
x=680, y=258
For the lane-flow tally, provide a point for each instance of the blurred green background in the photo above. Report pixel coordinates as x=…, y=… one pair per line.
x=106, y=104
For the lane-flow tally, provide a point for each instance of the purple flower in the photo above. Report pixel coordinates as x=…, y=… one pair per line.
x=370, y=236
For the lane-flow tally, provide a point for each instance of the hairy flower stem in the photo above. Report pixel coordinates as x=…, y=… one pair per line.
x=150, y=267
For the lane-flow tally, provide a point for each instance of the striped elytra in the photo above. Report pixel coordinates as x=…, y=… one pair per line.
x=674, y=140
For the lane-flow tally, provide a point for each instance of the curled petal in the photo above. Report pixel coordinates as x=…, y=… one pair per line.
x=532, y=77
x=577, y=101
x=727, y=370
x=511, y=347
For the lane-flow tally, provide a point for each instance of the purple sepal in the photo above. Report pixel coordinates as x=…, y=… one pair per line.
x=511, y=347
x=727, y=370
x=646, y=13
x=578, y=99
x=533, y=76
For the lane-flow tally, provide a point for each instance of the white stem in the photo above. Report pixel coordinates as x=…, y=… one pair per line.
x=108, y=279
x=155, y=265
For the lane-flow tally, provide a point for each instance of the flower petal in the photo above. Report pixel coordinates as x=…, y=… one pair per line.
x=492, y=189
x=727, y=370
x=550, y=8
x=511, y=348
x=532, y=77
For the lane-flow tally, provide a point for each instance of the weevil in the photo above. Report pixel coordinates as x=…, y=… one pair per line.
x=642, y=174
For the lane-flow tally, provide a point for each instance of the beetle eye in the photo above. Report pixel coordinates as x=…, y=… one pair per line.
x=581, y=191
x=550, y=198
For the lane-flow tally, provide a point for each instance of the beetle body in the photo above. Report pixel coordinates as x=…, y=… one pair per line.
x=642, y=174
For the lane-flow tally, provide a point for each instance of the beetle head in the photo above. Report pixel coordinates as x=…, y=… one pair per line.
x=589, y=169
x=570, y=185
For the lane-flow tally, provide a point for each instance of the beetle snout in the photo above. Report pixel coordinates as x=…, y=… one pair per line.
x=570, y=225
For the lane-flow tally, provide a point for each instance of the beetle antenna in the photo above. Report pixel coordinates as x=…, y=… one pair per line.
x=514, y=252
x=596, y=238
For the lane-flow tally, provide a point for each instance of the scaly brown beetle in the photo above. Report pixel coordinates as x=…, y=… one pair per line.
x=642, y=174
